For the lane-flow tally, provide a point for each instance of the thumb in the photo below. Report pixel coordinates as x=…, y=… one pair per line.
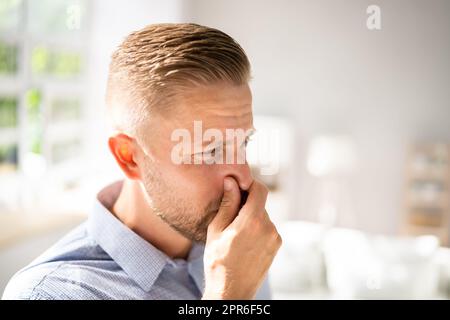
x=229, y=206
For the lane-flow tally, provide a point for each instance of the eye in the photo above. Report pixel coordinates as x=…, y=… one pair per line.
x=211, y=152
x=247, y=140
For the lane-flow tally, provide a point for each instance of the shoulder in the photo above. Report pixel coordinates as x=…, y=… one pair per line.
x=22, y=284
x=62, y=281
x=68, y=270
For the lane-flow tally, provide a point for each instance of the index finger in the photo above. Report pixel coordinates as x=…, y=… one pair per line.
x=256, y=200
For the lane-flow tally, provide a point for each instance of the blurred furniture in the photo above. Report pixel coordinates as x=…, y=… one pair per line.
x=316, y=262
x=23, y=237
x=427, y=194
x=366, y=266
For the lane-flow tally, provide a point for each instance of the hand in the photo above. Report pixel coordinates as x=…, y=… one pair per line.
x=241, y=244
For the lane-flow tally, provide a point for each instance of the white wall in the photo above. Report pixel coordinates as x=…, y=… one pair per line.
x=316, y=62
x=112, y=21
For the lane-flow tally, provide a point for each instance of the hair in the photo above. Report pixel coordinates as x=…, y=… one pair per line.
x=155, y=64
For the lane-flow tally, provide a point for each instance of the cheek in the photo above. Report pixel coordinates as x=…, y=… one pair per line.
x=208, y=180
x=200, y=182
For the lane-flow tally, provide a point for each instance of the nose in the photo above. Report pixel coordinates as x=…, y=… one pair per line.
x=241, y=173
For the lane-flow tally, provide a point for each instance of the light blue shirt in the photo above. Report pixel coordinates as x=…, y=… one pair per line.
x=104, y=259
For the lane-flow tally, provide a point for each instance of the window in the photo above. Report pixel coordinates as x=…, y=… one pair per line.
x=8, y=58
x=43, y=49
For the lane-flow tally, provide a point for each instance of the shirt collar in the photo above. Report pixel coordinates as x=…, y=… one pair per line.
x=137, y=257
x=195, y=265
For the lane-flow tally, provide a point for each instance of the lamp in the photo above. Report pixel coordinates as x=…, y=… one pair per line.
x=331, y=158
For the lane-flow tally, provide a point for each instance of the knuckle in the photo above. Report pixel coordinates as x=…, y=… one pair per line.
x=269, y=228
x=279, y=240
x=275, y=235
x=225, y=203
x=276, y=243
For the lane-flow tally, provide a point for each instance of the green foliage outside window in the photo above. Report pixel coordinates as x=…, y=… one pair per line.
x=8, y=112
x=45, y=61
x=8, y=58
x=8, y=157
x=34, y=116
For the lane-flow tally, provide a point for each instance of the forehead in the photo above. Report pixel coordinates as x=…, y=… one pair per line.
x=221, y=106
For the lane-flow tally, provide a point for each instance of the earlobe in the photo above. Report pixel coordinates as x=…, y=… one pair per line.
x=121, y=147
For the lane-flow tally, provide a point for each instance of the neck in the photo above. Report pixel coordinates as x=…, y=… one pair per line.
x=132, y=209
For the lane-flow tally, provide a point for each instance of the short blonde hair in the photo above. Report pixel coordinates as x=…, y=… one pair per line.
x=154, y=64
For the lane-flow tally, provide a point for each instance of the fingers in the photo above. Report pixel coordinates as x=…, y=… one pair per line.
x=257, y=196
x=229, y=206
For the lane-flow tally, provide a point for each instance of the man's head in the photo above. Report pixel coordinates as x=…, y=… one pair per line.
x=162, y=79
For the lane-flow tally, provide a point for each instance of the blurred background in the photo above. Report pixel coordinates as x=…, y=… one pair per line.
x=357, y=98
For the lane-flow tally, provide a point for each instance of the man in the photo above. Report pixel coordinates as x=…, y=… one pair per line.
x=170, y=230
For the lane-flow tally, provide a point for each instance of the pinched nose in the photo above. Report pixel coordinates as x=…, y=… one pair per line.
x=241, y=173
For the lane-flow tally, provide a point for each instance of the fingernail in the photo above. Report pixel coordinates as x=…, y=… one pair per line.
x=227, y=184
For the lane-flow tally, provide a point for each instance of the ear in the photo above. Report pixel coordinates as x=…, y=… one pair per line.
x=124, y=151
